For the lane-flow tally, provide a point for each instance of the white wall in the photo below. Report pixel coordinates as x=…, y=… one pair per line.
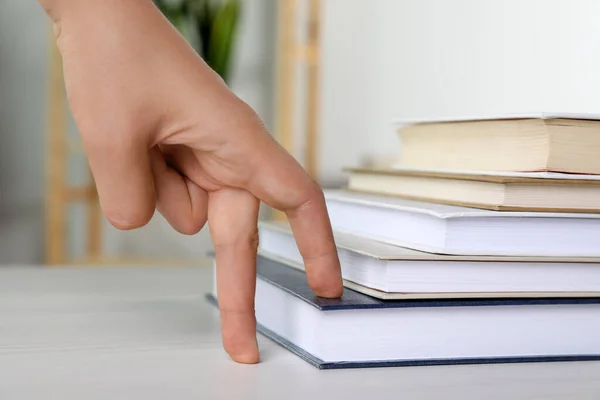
x=383, y=60
x=387, y=60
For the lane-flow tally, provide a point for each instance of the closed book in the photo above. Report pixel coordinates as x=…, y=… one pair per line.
x=446, y=229
x=537, y=142
x=553, y=192
x=391, y=272
x=358, y=331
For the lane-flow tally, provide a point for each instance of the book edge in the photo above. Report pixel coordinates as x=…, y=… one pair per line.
x=324, y=365
x=484, y=206
x=457, y=175
x=382, y=295
x=426, y=256
x=422, y=207
x=430, y=302
x=462, y=295
x=397, y=123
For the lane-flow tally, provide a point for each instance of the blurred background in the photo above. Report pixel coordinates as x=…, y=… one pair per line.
x=330, y=78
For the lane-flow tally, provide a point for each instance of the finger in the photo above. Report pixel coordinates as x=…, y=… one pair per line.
x=124, y=181
x=183, y=159
x=183, y=203
x=233, y=218
x=279, y=181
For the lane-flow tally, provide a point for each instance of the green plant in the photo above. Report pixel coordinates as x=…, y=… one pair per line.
x=209, y=25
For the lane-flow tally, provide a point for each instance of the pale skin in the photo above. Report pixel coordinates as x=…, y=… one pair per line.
x=163, y=132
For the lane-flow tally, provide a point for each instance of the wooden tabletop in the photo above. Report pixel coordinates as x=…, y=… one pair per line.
x=147, y=333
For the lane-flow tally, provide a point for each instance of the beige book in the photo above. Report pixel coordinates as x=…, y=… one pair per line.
x=544, y=143
x=549, y=192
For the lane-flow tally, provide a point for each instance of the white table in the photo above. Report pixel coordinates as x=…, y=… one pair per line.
x=147, y=333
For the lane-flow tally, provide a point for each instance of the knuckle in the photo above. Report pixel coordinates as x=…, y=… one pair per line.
x=191, y=227
x=126, y=221
x=313, y=196
x=253, y=239
x=249, y=240
x=119, y=134
x=316, y=192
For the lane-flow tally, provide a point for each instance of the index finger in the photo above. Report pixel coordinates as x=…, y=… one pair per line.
x=279, y=181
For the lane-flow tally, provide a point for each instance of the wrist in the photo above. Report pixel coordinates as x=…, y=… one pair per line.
x=58, y=9
x=54, y=8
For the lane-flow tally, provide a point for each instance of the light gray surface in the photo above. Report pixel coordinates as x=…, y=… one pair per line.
x=147, y=333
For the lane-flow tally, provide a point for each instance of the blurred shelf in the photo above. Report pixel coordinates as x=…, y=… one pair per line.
x=117, y=261
x=58, y=192
x=296, y=52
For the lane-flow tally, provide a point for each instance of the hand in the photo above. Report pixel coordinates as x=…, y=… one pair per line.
x=161, y=130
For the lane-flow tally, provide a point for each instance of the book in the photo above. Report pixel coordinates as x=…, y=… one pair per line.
x=358, y=331
x=391, y=272
x=543, y=142
x=552, y=192
x=446, y=229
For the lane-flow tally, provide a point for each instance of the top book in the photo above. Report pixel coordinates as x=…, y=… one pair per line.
x=567, y=143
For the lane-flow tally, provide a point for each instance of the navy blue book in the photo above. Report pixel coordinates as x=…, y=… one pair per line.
x=359, y=331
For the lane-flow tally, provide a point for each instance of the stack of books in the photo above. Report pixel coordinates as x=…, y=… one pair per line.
x=481, y=245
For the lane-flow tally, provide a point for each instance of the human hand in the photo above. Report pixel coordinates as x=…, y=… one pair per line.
x=162, y=131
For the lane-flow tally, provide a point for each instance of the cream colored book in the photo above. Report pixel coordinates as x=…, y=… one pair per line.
x=493, y=191
x=538, y=142
x=391, y=272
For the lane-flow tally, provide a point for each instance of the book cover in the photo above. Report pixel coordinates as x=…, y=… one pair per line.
x=294, y=282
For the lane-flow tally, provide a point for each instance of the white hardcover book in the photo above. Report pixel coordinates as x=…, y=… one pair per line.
x=359, y=331
x=445, y=229
x=392, y=272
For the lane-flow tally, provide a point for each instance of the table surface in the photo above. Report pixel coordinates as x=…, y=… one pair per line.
x=148, y=333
